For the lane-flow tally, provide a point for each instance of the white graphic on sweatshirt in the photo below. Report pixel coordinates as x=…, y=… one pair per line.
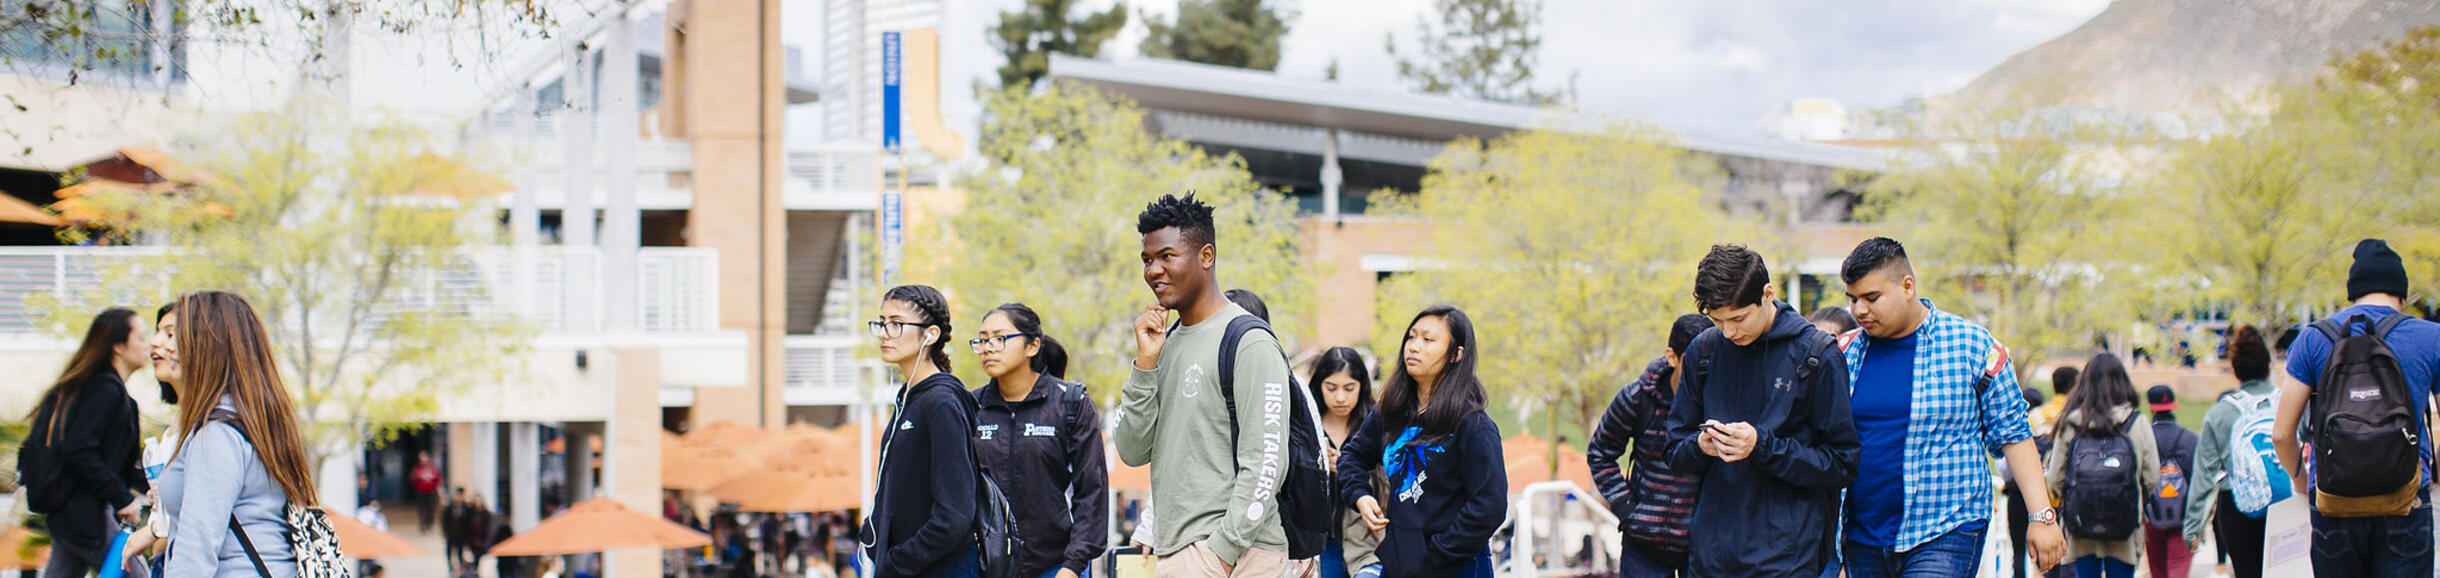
x=1415, y=491
x=1193, y=383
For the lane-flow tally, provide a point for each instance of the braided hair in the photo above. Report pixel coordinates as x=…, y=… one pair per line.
x=935, y=310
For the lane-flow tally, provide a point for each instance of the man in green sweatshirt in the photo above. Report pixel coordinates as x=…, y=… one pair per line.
x=1214, y=496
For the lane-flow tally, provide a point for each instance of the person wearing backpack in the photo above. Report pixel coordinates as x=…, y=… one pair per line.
x=1762, y=418
x=80, y=458
x=2101, y=465
x=2234, y=453
x=1652, y=505
x=2164, y=541
x=928, y=499
x=241, y=464
x=2363, y=382
x=1039, y=436
x=1447, y=480
x=1211, y=426
x=1935, y=397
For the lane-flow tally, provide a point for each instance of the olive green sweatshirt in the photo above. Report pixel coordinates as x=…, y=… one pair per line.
x=1174, y=418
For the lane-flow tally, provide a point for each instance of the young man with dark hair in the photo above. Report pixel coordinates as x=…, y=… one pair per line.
x=2365, y=536
x=1214, y=496
x=1762, y=418
x=1653, y=507
x=1935, y=398
x=2062, y=380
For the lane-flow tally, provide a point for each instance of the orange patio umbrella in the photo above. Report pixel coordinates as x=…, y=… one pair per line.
x=17, y=553
x=15, y=210
x=1124, y=477
x=437, y=175
x=698, y=468
x=818, y=489
x=596, y=525
x=366, y=542
x=1529, y=462
x=727, y=434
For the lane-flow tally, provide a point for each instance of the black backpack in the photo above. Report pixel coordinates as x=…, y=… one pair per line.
x=2165, y=507
x=995, y=522
x=2363, y=419
x=2104, y=500
x=39, y=471
x=1305, y=493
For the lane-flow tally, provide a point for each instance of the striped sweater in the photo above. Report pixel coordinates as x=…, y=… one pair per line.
x=1654, y=505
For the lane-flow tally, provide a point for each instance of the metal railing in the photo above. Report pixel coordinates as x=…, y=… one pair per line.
x=837, y=169
x=823, y=362
x=557, y=288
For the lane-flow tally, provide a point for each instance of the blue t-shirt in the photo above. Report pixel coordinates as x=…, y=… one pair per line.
x=2416, y=343
x=1883, y=400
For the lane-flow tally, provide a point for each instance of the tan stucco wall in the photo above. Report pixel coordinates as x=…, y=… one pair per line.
x=738, y=171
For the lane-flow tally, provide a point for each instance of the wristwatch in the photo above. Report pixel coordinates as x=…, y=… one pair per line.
x=2047, y=516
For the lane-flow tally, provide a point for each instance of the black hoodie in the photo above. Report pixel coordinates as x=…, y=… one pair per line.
x=1775, y=512
x=924, y=504
x=1056, y=477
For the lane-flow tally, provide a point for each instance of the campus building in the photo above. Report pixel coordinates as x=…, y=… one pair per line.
x=1331, y=146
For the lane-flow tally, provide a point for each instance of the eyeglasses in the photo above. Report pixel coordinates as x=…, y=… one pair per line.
x=891, y=329
x=992, y=343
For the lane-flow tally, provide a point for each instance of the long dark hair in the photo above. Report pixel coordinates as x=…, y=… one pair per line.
x=95, y=355
x=1333, y=361
x=935, y=310
x=1052, y=359
x=1457, y=395
x=2101, y=389
x=169, y=393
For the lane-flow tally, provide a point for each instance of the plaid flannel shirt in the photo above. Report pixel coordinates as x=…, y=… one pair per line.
x=1948, y=455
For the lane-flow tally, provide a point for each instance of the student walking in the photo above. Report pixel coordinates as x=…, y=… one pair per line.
x=1447, y=482
x=1039, y=436
x=81, y=460
x=1762, y=418
x=926, y=498
x=1215, y=502
x=2164, y=543
x=2367, y=374
x=242, y=462
x=2101, y=465
x=1345, y=389
x=2234, y=452
x=1935, y=396
x=1652, y=507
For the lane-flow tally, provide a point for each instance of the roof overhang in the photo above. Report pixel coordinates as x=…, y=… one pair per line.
x=1164, y=85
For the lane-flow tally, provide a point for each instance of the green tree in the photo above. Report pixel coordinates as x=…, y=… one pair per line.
x=1481, y=49
x=1572, y=251
x=1027, y=36
x=1050, y=221
x=2252, y=219
x=2016, y=219
x=2396, y=109
x=1239, y=33
x=347, y=240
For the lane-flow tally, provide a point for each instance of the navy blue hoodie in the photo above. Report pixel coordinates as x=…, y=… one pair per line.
x=924, y=504
x=1773, y=513
x=1447, y=496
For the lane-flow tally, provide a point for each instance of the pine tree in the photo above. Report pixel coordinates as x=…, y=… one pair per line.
x=1027, y=37
x=1239, y=33
x=1481, y=49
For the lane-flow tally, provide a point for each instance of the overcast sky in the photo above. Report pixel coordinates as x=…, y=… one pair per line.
x=1718, y=65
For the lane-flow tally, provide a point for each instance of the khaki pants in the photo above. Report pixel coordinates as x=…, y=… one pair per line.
x=1198, y=561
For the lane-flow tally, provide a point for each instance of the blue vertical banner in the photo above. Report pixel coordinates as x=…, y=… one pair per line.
x=892, y=76
x=893, y=234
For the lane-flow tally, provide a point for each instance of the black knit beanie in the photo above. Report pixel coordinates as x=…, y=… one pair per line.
x=2377, y=270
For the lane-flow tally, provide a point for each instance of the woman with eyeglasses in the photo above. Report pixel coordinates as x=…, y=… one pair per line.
x=924, y=518
x=1039, y=437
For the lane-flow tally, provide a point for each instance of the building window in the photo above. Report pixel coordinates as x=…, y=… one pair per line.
x=74, y=40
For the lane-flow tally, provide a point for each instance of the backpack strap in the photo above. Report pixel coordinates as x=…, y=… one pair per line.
x=248, y=543
x=2381, y=330
x=1070, y=394
x=1237, y=328
x=1817, y=344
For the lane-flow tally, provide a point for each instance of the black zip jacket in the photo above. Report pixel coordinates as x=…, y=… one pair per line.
x=97, y=446
x=1446, y=496
x=924, y=504
x=1056, y=477
x=1774, y=513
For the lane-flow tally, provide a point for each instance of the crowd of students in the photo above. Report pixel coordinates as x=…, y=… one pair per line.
x=1759, y=442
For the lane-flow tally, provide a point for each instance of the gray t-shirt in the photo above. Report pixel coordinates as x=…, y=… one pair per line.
x=1174, y=418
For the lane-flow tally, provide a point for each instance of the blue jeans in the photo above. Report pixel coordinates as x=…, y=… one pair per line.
x=1957, y=553
x=2103, y=567
x=1334, y=561
x=1634, y=563
x=969, y=565
x=1053, y=572
x=2374, y=547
